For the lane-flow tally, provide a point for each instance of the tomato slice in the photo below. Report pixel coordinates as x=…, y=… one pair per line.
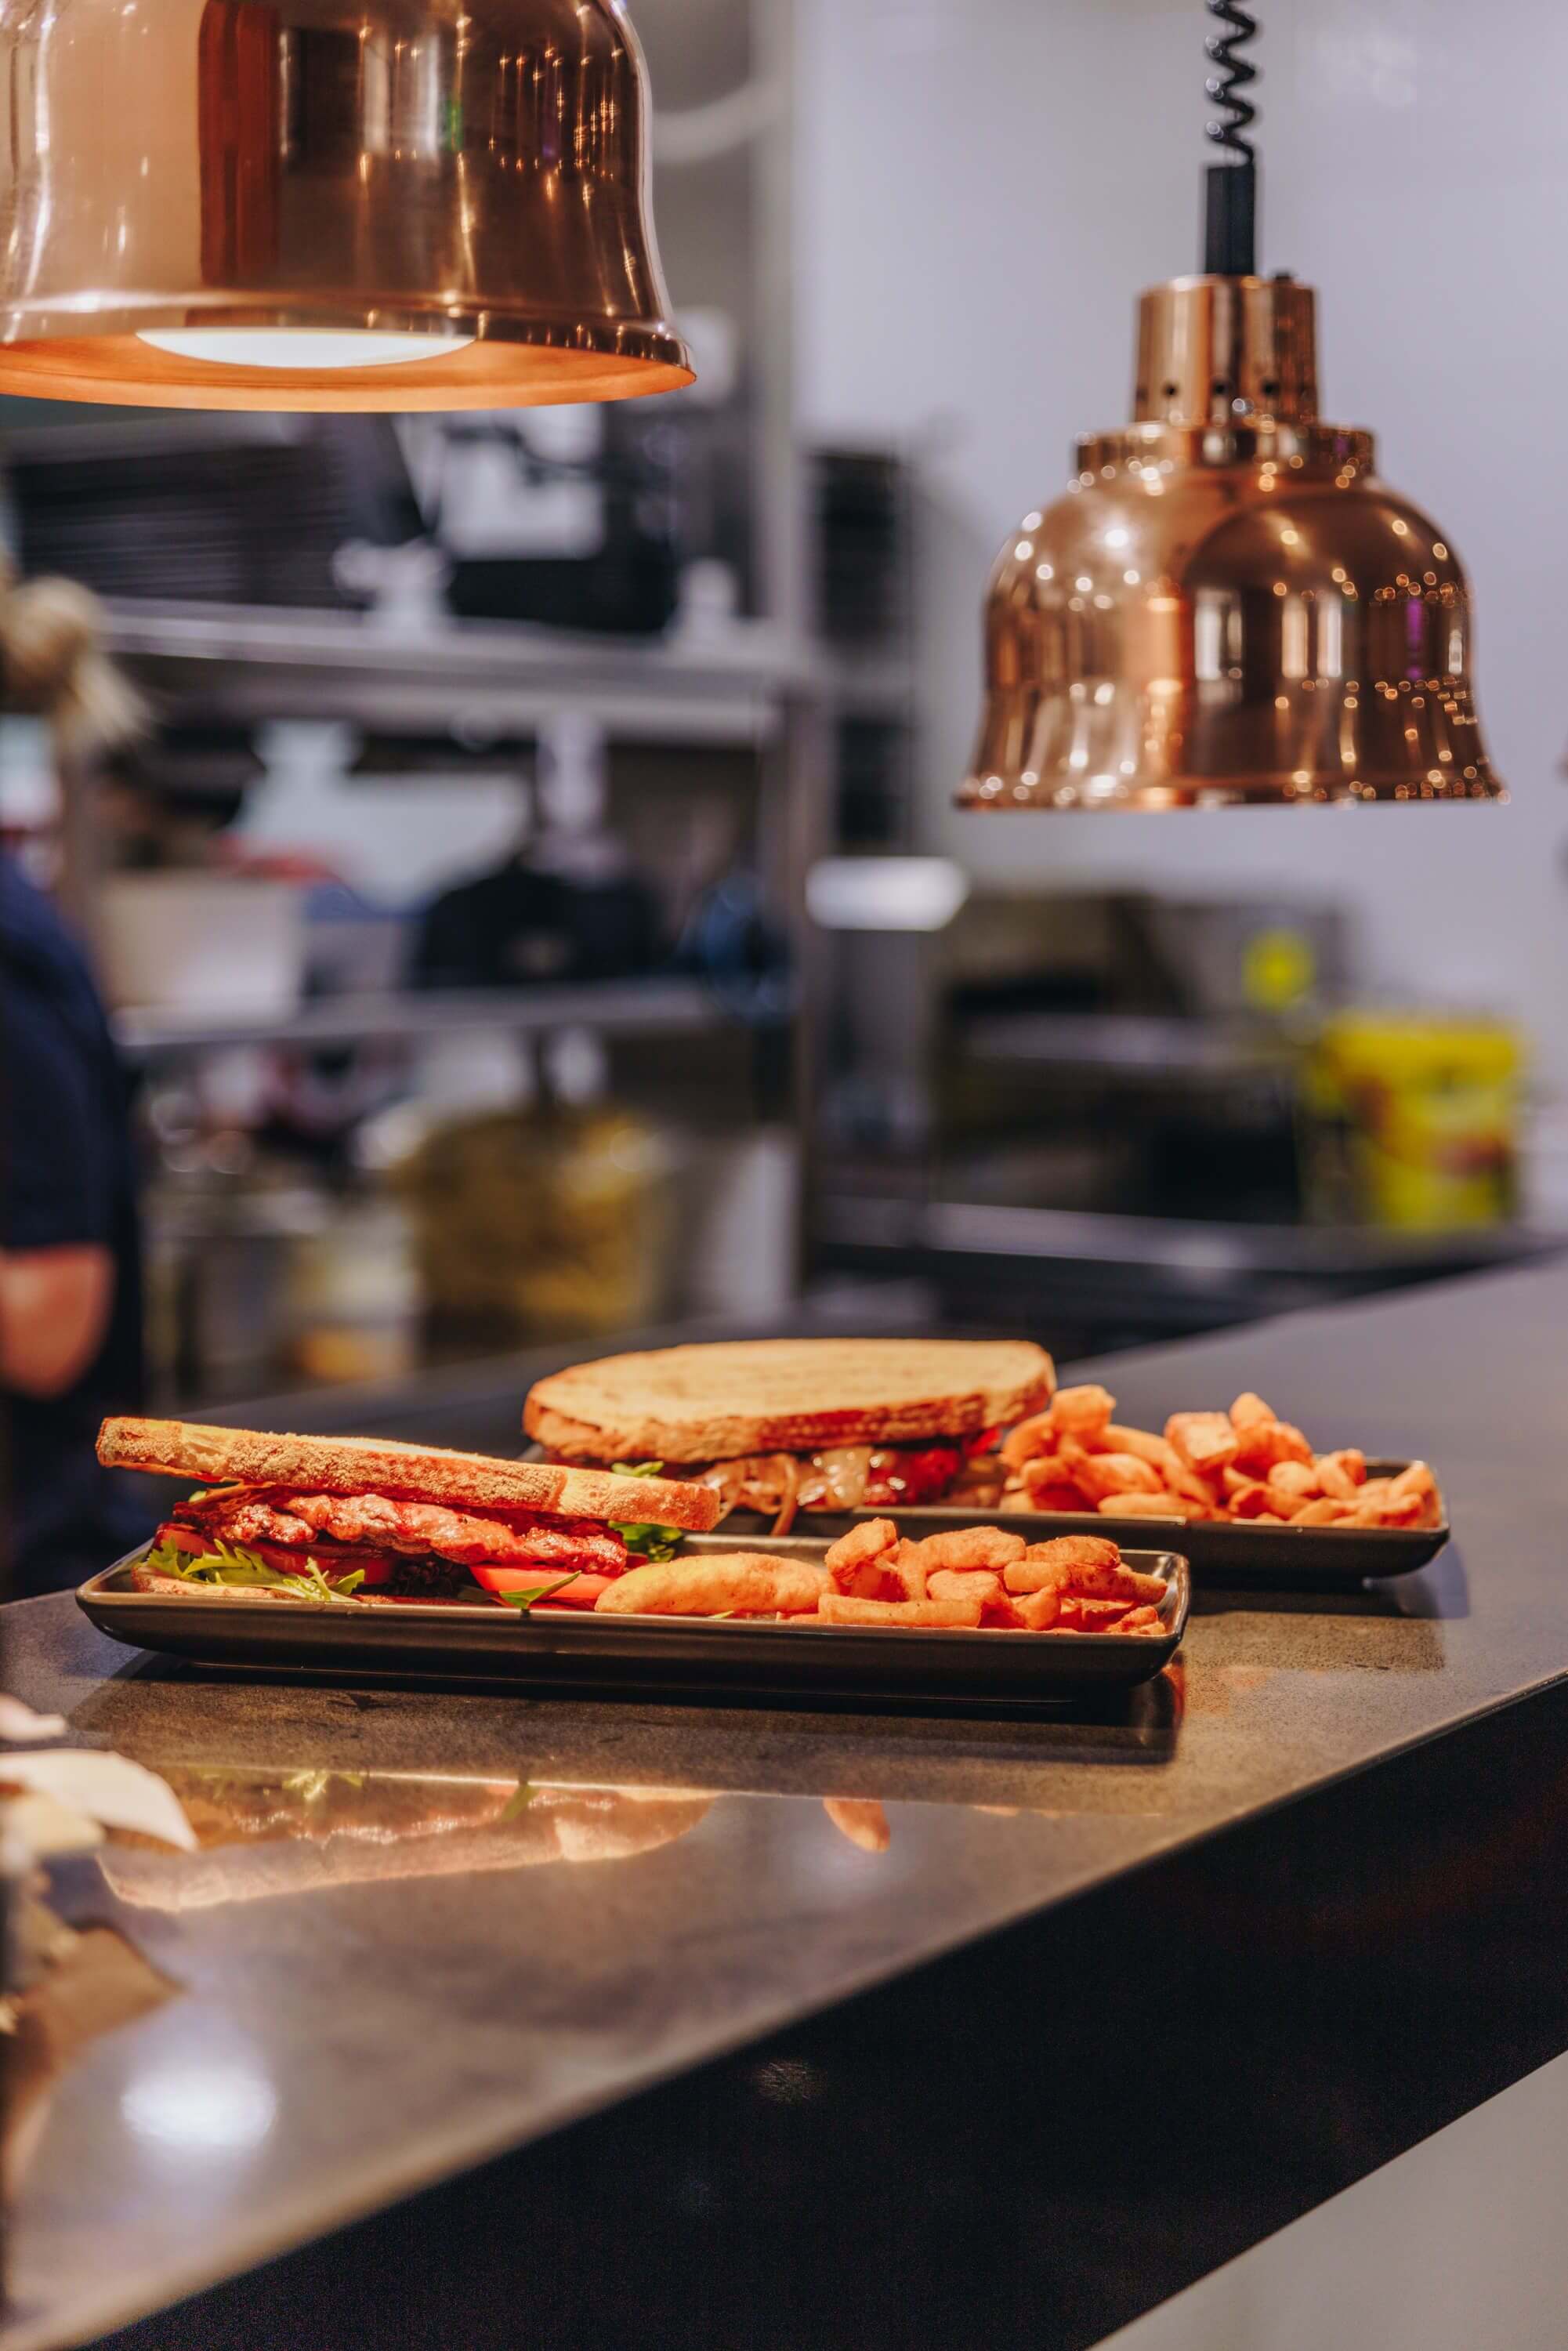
x=913, y=1475
x=581, y=1593
x=180, y=1538
x=378, y=1566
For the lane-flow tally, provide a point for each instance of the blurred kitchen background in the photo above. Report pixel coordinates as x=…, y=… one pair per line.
x=536, y=914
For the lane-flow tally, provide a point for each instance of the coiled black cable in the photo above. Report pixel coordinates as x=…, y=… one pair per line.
x=1231, y=227
x=1235, y=74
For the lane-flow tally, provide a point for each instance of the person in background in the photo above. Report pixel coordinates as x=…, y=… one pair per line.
x=70, y=1308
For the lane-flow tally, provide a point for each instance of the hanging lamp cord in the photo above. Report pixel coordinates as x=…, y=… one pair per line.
x=1230, y=226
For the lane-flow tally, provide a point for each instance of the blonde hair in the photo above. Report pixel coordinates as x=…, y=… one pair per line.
x=52, y=664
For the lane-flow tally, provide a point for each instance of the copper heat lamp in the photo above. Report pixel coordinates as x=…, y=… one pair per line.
x=1228, y=607
x=328, y=204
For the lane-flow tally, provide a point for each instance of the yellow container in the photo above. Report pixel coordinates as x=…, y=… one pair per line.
x=541, y=1222
x=1412, y=1121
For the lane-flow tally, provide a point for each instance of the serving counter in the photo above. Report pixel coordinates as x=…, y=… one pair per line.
x=1028, y=2025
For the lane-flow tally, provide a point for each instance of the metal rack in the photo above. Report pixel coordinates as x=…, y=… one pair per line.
x=1169, y=1050
x=755, y=689
x=618, y=1008
x=1157, y=1274
x=470, y=678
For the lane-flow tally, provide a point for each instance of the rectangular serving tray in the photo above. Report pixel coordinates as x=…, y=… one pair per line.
x=1234, y=1552
x=569, y=1651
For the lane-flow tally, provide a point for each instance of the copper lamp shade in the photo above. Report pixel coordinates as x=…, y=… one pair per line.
x=463, y=183
x=1228, y=607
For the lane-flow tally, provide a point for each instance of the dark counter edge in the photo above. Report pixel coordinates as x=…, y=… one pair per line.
x=1122, y=2021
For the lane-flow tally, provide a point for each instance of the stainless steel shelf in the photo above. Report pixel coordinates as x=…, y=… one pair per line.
x=1191, y=1250
x=247, y=664
x=1142, y=1048
x=622, y=1008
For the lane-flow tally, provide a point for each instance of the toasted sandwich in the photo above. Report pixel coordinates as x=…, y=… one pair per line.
x=367, y=1519
x=777, y=1426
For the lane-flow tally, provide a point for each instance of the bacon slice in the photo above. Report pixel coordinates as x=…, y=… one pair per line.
x=522, y=1538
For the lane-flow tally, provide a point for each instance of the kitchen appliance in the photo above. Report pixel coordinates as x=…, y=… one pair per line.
x=561, y=516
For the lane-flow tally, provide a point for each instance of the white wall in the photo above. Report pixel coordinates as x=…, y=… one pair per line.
x=983, y=187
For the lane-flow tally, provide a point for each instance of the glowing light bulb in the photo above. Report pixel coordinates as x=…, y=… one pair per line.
x=300, y=348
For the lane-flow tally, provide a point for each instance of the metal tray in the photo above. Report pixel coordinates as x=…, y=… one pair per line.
x=564, y=1652
x=1237, y=1552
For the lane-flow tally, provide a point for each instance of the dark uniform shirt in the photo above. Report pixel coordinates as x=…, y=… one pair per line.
x=65, y=1176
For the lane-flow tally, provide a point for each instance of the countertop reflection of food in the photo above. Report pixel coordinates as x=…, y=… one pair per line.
x=287, y=1832
x=862, y=1820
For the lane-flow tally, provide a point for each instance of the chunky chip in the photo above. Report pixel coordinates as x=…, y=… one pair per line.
x=1246, y=1464
x=1152, y=1506
x=993, y=1547
x=1141, y=1620
x=728, y=1583
x=1047, y=1485
x=927, y=1615
x=1322, y=1512
x=1293, y=1482
x=1084, y=1412
x=1260, y=1447
x=871, y=1563
x=1037, y=1435
x=1074, y=1551
x=1206, y=1440
x=998, y=1609
x=1342, y=1475
x=972, y=1579
x=1249, y=1409
x=980, y=1583
x=1041, y=1611
x=862, y=1545
x=1079, y=1615
x=1099, y=1579
x=1098, y=1474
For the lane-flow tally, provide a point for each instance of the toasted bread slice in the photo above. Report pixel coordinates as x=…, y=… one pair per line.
x=790, y=1396
x=381, y=1465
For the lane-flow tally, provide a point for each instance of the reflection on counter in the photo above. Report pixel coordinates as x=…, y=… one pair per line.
x=262, y=1833
x=195, y=1729
x=269, y=1832
x=64, y=1988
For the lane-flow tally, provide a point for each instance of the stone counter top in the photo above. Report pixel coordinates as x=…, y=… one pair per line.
x=525, y=1911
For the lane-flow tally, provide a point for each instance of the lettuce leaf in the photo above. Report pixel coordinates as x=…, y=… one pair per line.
x=650, y=1541
x=314, y=1787
x=525, y=1600
x=232, y=1563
